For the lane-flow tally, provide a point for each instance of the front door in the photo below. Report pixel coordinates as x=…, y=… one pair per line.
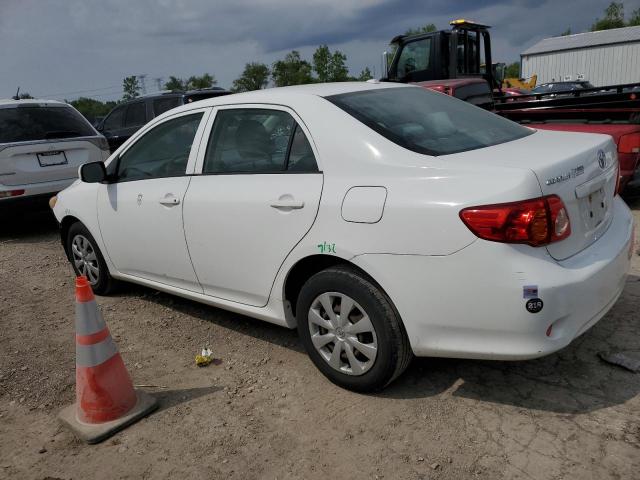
x=256, y=198
x=140, y=213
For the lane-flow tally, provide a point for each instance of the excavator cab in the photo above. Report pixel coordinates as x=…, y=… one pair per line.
x=460, y=52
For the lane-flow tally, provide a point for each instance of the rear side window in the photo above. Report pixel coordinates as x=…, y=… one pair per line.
x=161, y=152
x=32, y=122
x=257, y=141
x=162, y=105
x=428, y=122
x=136, y=115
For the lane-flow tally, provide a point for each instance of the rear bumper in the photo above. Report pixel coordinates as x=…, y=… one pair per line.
x=34, y=191
x=471, y=304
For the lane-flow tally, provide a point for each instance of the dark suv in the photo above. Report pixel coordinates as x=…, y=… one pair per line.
x=125, y=119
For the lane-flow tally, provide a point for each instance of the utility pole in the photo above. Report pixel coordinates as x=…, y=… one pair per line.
x=143, y=83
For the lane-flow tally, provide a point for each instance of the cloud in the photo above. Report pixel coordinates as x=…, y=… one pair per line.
x=66, y=46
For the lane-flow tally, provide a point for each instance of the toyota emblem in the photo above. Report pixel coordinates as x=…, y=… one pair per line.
x=602, y=159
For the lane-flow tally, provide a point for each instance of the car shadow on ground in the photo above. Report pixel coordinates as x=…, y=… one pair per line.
x=26, y=223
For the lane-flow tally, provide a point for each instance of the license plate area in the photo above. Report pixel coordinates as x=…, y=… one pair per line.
x=594, y=209
x=50, y=159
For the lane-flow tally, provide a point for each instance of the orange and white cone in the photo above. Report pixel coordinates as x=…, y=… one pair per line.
x=106, y=401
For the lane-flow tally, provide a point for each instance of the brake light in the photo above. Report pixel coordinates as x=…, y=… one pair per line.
x=536, y=222
x=629, y=143
x=11, y=193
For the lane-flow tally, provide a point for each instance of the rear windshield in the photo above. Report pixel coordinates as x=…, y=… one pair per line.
x=33, y=122
x=428, y=122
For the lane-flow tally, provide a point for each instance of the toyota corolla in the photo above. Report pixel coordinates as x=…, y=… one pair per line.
x=383, y=221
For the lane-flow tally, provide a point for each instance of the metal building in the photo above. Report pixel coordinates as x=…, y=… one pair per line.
x=607, y=57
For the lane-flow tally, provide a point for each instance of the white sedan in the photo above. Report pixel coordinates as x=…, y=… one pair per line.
x=382, y=220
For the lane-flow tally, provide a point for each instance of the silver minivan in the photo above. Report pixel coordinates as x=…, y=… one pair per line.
x=42, y=144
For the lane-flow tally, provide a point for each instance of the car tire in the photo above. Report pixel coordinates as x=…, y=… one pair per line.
x=86, y=259
x=370, y=354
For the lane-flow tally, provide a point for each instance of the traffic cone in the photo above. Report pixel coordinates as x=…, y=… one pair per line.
x=106, y=401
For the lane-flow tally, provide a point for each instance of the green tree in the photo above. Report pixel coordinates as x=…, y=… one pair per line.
x=512, y=70
x=613, y=18
x=330, y=67
x=205, y=81
x=92, y=108
x=635, y=18
x=254, y=77
x=428, y=28
x=365, y=75
x=130, y=87
x=566, y=32
x=292, y=70
x=24, y=96
x=175, y=83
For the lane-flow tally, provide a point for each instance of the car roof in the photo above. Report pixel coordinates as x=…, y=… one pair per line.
x=11, y=103
x=291, y=94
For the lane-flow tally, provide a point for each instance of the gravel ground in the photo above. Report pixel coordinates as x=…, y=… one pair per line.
x=265, y=412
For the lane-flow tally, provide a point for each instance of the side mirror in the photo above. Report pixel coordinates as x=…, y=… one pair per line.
x=94, y=172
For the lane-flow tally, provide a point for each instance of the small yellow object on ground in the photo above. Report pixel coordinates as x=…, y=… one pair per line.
x=205, y=358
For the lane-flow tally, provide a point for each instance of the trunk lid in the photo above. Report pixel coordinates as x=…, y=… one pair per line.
x=579, y=168
x=30, y=163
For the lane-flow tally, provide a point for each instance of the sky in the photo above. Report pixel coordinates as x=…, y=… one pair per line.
x=63, y=49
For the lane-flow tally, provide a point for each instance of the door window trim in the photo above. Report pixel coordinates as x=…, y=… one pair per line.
x=195, y=146
x=204, y=141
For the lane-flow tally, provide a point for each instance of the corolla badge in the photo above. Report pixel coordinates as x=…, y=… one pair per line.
x=602, y=159
x=574, y=172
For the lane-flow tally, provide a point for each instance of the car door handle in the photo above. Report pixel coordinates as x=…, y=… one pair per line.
x=169, y=199
x=287, y=204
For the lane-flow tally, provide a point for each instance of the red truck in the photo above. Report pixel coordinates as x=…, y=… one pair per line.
x=453, y=62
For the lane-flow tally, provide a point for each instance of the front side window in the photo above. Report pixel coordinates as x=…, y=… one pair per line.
x=414, y=57
x=428, y=122
x=161, y=152
x=33, y=122
x=136, y=115
x=256, y=141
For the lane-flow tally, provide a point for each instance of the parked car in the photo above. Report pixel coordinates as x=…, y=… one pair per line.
x=127, y=118
x=561, y=87
x=42, y=144
x=383, y=220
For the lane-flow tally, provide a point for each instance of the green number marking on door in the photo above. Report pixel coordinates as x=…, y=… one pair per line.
x=325, y=247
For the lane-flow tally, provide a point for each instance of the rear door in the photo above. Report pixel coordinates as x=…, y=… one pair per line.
x=256, y=198
x=44, y=143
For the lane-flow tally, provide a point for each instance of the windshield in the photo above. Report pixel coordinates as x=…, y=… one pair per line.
x=428, y=122
x=33, y=122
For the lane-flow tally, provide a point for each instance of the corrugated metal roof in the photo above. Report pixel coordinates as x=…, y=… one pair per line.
x=585, y=40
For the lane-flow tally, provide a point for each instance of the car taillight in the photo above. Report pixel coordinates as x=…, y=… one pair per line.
x=11, y=193
x=536, y=222
x=629, y=143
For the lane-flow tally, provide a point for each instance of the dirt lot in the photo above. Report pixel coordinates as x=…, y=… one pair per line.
x=266, y=412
